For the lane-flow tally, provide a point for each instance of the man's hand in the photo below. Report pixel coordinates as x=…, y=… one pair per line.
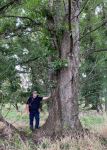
x=26, y=110
x=47, y=97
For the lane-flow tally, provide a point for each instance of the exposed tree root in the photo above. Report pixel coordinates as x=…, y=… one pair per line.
x=10, y=130
x=43, y=132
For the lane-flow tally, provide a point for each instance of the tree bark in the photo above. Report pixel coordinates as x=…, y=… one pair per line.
x=63, y=110
x=105, y=105
x=11, y=130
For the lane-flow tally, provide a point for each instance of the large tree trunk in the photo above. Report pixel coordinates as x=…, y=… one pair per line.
x=63, y=111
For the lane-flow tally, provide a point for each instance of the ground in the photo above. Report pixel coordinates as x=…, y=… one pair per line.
x=95, y=122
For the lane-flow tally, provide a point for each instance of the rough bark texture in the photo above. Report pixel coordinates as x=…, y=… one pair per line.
x=63, y=112
x=9, y=130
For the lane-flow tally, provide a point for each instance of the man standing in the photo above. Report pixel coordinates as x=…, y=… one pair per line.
x=33, y=108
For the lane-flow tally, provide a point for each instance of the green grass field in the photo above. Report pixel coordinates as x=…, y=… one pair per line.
x=88, y=120
x=93, y=121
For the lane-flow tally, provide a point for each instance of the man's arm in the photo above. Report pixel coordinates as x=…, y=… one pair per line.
x=47, y=97
x=27, y=108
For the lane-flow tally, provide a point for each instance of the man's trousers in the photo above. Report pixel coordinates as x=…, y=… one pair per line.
x=34, y=116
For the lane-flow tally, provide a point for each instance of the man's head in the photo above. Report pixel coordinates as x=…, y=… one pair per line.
x=34, y=94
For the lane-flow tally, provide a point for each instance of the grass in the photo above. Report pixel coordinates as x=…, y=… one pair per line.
x=21, y=119
x=90, y=121
x=95, y=122
x=92, y=143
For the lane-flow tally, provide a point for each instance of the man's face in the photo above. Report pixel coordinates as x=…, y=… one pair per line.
x=34, y=94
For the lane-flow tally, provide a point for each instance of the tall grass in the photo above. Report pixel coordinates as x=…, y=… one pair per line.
x=97, y=123
x=86, y=143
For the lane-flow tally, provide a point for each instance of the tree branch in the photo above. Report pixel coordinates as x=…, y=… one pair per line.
x=93, y=30
x=22, y=72
x=80, y=10
x=6, y=6
x=101, y=50
x=83, y=8
x=90, y=51
x=16, y=32
x=27, y=61
x=23, y=17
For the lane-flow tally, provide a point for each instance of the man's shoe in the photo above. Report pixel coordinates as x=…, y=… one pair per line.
x=37, y=127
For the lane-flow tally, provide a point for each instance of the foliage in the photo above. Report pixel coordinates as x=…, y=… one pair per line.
x=26, y=43
x=59, y=64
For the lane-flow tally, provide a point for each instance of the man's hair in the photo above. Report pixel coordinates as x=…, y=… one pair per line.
x=34, y=92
